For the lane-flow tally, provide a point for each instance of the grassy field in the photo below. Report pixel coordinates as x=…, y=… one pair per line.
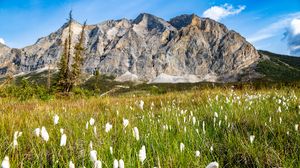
x=218, y=123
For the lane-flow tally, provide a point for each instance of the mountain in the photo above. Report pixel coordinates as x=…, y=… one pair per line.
x=185, y=49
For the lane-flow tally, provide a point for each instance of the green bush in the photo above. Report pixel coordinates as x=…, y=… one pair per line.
x=157, y=90
x=25, y=91
x=80, y=92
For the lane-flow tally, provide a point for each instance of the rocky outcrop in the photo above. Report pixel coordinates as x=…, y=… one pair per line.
x=146, y=48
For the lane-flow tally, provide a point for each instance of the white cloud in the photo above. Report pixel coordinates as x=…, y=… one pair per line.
x=296, y=47
x=273, y=29
x=2, y=41
x=219, y=12
x=293, y=36
x=259, y=37
x=295, y=26
x=288, y=25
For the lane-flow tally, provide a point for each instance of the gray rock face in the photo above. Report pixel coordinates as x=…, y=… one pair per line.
x=147, y=47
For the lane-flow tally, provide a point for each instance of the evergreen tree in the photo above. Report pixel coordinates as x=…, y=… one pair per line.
x=69, y=72
x=78, y=57
x=62, y=67
x=68, y=80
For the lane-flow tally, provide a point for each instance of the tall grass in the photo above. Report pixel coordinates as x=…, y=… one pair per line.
x=225, y=140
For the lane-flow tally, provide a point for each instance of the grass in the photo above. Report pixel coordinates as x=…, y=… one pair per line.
x=241, y=113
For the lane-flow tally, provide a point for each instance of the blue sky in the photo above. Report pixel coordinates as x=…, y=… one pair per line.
x=268, y=24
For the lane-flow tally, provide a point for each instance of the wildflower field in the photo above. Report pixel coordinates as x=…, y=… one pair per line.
x=235, y=128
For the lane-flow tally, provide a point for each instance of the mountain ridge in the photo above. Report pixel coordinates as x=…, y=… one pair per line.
x=147, y=47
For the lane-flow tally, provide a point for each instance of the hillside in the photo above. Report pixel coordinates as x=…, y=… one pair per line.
x=279, y=67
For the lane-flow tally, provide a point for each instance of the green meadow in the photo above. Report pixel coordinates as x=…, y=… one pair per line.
x=189, y=128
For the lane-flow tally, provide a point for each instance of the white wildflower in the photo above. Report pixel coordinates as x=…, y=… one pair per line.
x=216, y=115
x=141, y=105
x=91, y=145
x=121, y=164
x=279, y=110
x=194, y=120
x=215, y=119
x=97, y=164
x=111, y=150
x=92, y=121
x=280, y=120
x=37, y=132
x=5, y=162
x=108, y=127
x=17, y=134
x=125, y=122
x=252, y=138
x=197, y=153
x=95, y=130
x=63, y=140
x=136, y=133
x=87, y=125
x=142, y=154
x=44, y=134
x=213, y=165
x=93, y=155
x=55, y=118
x=71, y=165
x=181, y=147
x=116, y=164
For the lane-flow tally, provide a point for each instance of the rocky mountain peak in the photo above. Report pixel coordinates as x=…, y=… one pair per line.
x=187, y=48
x=146, y=17
x=151, y=22
x=184, y=20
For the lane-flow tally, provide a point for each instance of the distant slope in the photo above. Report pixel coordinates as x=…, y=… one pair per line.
x=278, y=67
